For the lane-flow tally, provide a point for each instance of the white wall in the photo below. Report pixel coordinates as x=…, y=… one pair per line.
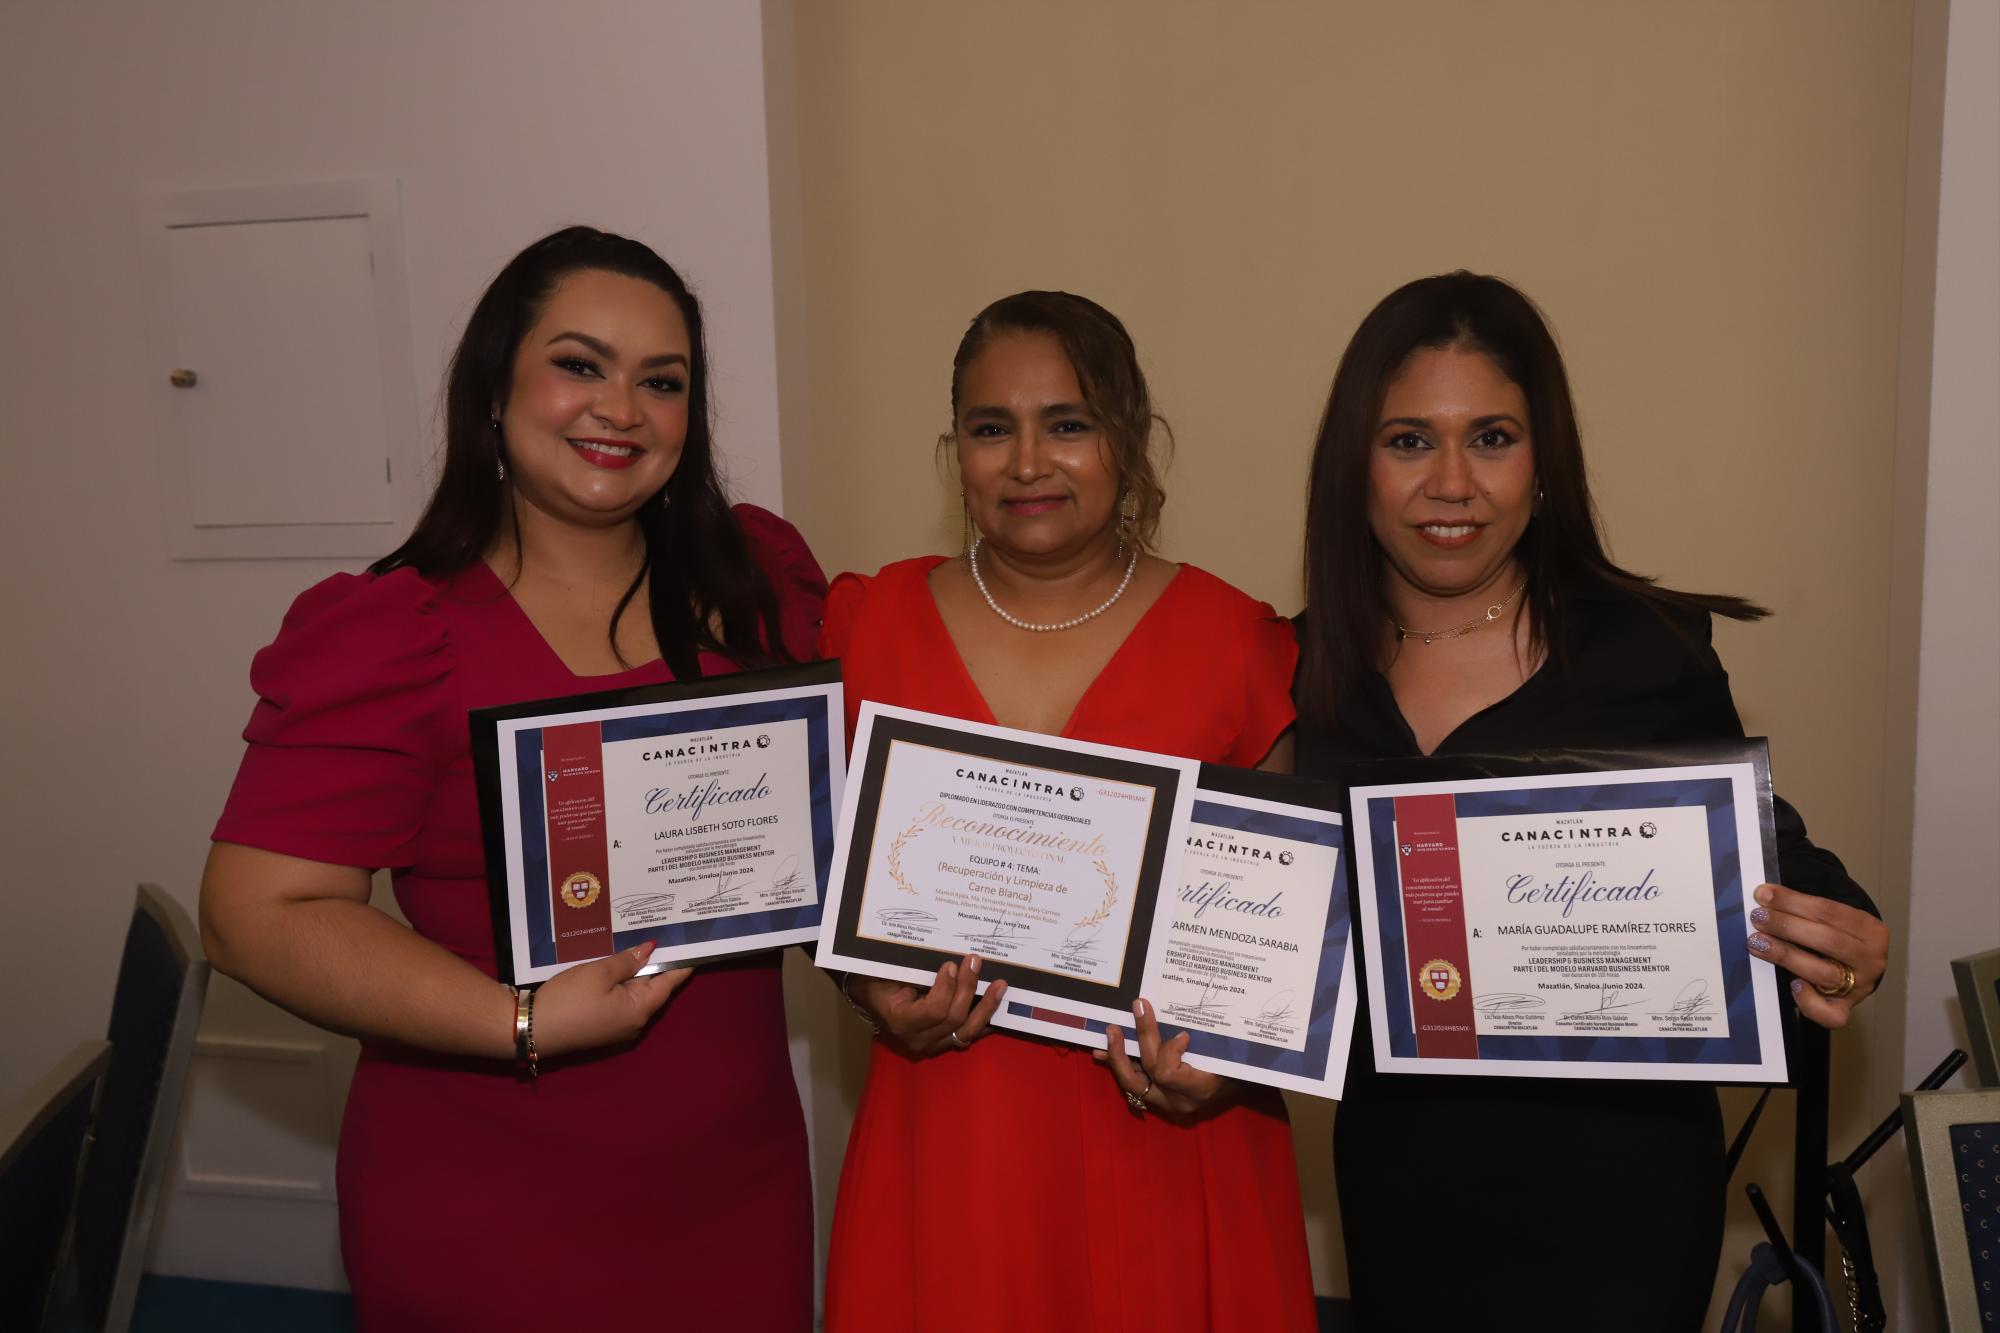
x=124, y=673
x=1954, y=909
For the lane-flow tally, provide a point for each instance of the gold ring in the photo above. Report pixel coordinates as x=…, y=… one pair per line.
x=1136, y=1102
x=1846, y=986
x=960, y=1042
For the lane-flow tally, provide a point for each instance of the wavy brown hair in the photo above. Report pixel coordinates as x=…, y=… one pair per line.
x=1106, y=363
x=702, y=572
x=1563, y=544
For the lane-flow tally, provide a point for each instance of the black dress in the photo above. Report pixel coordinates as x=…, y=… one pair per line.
x=1488, y=1203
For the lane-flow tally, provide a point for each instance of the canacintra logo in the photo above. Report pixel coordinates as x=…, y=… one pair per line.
x=704, y=749
x=1648, y=829
x=1575, y=831
x=1017, y=782
x=1241, y=851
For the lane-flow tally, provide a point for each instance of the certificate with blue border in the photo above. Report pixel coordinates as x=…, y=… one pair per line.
x=1578, y=924
x=1250, y=954
x=698, y=816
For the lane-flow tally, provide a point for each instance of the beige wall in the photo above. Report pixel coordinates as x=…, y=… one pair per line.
x=1706, y=198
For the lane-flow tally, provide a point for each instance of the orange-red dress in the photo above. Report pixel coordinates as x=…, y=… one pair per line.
x=1008, y=1187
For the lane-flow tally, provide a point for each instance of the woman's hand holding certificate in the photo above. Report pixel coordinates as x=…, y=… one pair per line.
x=1092, y=882
x=1835, y=953
x=949, y=1016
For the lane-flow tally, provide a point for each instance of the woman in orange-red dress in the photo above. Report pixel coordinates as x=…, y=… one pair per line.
x=999, y=1182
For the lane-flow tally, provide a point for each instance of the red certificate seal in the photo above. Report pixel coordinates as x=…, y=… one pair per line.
x=1439, y=979
x=580, y=890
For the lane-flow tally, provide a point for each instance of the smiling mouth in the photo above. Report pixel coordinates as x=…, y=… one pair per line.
x=1032, y=504
x=1449, y=534
x=611, y=454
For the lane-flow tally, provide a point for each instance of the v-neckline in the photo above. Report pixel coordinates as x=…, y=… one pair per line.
x=526, y=623
x=1416, y=746
x=943, y=631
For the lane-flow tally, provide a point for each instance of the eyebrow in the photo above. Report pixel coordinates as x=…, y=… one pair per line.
x=994, y=412
x=1477, y=423
x=605, y=350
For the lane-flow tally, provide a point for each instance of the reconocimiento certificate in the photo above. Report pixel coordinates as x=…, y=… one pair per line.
x=1089, y=876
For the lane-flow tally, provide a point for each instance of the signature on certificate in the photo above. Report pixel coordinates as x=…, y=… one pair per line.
x=1607, y=1000
x=1507, y=1002
x=1205, y=1004
x=1276, y=1009
x=1691, y=1002
x=907, y=918
x=1079, y=943
x=643, y=904
x=728, y=892
x=786, y=878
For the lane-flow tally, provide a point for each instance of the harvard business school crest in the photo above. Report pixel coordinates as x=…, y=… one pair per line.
x=582, y=888
x=1439, y=978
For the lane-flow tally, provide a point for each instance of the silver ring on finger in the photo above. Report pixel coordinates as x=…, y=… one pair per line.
x=959, y=1041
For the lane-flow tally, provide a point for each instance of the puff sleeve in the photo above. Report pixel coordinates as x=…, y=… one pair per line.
x=1270, y=657
x=795, y=576
x=355, y=711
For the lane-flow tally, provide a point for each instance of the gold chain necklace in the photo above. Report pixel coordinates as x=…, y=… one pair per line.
x=1493, y=613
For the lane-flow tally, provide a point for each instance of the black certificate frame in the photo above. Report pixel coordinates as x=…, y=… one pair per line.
x=483, y=725
x=866, y=779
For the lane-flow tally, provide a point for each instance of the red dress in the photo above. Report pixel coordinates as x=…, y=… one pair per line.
x=664, y=1184
x=1008, y=1187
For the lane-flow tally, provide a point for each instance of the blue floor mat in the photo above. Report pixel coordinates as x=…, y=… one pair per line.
x=196, y=1305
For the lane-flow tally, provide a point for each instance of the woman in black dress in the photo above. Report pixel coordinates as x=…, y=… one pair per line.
x=1460, y=601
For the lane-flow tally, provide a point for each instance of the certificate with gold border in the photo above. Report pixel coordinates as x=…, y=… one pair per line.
x=1043, y=856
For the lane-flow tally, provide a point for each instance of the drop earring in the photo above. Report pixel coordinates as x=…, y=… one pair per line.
x=499, y=454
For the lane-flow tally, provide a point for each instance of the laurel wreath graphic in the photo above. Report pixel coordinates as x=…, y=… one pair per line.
x=896, y=858
x=1103, y=911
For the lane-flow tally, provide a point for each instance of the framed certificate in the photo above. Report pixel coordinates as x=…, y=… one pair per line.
x=1573, y=916
x=1250, y=954
x=1042, y=856
x=1954, y=1144
x=697, y=815
x=1087, y=876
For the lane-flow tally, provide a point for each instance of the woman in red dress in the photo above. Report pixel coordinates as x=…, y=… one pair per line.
x=656, y=1170
x=1000, y=1182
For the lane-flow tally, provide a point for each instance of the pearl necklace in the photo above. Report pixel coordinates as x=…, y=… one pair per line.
x=972, y=559
x=1493, y=613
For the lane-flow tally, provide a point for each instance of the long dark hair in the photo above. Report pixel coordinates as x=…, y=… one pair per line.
x=1106, y=363
x=1562, y=544
x=702, y=571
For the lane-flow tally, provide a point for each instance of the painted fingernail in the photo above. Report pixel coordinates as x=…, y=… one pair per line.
x=1760, y=944
x=972, y=965
x=1797, y=986
x=1758, y=916
x=1763, y=893
x=1140, y=1009
x=644, y=951
x=951, y=971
